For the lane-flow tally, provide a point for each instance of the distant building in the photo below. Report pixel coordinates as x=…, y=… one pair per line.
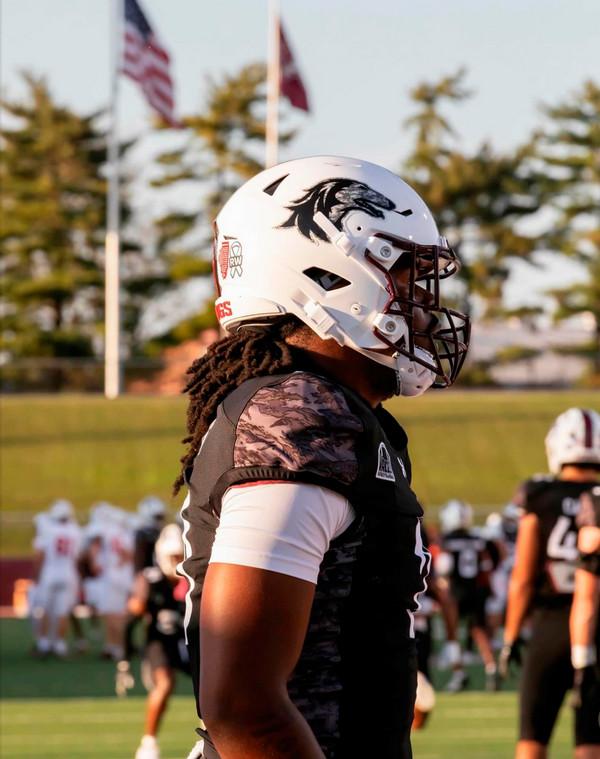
x=548, y=368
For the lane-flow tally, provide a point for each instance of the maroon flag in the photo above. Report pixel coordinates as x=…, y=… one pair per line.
x=290, y=83
x=146, y=61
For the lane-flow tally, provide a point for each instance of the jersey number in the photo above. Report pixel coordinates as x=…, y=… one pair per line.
x=562, y=552
x=63, y=546
x=467, y=563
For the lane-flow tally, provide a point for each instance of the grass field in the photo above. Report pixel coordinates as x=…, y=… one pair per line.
x=66, y=710
x=474, y=445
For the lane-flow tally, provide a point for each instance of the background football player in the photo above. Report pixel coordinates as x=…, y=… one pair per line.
x=542, y=581
x=110, y=551
x=151, y=512
x=57, y=547
x=467, y=560
x=584, y=611
x=158, y=597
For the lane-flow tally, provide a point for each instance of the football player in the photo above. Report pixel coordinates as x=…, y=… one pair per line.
x=542, y=581
x=158, y=597
x=435, y=598
x=151, y=512
x=110, y=554
x=584, y=611
x=302, y=534
x=501, y=529
x=467, y=559
x=57, y=546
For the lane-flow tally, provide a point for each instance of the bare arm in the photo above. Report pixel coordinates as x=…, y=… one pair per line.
x=523, y=575
x=448, y=607
x=584, y=612
x=253, y=623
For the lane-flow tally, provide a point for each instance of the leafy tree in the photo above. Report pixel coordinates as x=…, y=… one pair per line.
x=569, y=148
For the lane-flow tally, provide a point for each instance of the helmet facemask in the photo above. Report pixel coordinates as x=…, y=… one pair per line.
x=442, y=346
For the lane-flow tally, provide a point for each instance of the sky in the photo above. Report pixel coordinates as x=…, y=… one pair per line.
x=359, y=60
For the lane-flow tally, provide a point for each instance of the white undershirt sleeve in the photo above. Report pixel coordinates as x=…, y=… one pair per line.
x=281, y=526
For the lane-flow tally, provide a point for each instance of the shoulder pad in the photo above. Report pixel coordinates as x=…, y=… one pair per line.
x=303, y=423
x=542, y=478
x=536, y=485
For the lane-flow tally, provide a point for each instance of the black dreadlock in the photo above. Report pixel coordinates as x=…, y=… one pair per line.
x=228, y=363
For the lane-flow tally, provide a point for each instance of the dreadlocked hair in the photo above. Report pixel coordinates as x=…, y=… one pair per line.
x=228, y=362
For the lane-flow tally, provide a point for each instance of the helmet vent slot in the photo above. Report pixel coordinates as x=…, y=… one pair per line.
x=326, y=279
x=272, y=188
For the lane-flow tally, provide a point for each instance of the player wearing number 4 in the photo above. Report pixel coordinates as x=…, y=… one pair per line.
x=542, y=581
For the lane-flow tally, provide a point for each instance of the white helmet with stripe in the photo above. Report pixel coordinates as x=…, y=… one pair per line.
x=574, y=438
x=455, y=515
x=169, y=549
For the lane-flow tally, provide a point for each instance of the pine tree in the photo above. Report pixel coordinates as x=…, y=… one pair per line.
x=570, y=150
x=53, y=206
x=477, y=199
x=226, y=148
x=53, y=209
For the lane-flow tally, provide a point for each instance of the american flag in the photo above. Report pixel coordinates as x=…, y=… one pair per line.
x=146, y=61
x=291, y=84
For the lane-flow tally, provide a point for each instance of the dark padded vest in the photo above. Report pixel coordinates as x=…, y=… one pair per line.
x=301, y=427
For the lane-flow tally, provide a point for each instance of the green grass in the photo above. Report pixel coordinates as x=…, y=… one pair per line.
x=67, y=710
x=474, y=445
x=465, y=725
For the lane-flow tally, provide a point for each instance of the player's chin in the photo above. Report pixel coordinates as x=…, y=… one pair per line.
x=383, y=380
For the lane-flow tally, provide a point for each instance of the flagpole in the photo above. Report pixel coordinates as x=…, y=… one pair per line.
x=112, y=358
x=273, y=78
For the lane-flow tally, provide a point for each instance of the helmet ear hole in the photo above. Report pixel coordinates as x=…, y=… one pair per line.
x=327, y=280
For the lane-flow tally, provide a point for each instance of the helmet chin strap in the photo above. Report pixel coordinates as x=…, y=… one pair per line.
x=412, y=379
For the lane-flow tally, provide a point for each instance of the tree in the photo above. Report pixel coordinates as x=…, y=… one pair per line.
x=479, y=199
x=226, y=148
x=570, y=148
x=53, y=209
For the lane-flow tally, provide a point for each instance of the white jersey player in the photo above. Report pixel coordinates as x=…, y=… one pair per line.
x=58, y=546
x=111, y=552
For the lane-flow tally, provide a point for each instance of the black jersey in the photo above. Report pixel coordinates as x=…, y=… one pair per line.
x=165, y=607
x=556, y=504
x=474, y=558
x=145, y=540
x=301, y=427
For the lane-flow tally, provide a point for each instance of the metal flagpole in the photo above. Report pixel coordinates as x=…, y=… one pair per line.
x=273, y=77
x=112, y=359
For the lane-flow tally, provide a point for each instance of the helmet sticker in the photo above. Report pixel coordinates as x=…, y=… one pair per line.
x=224, y=258
x=335, y=198
x=235, y=259
x=231, y=258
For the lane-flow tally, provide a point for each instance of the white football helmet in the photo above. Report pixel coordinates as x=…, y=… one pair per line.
x=574, y=438
x=455, y=515
x=151, y=511
x=169, y=549
x=317, y=238
x=492, y=529
x=61, y=510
